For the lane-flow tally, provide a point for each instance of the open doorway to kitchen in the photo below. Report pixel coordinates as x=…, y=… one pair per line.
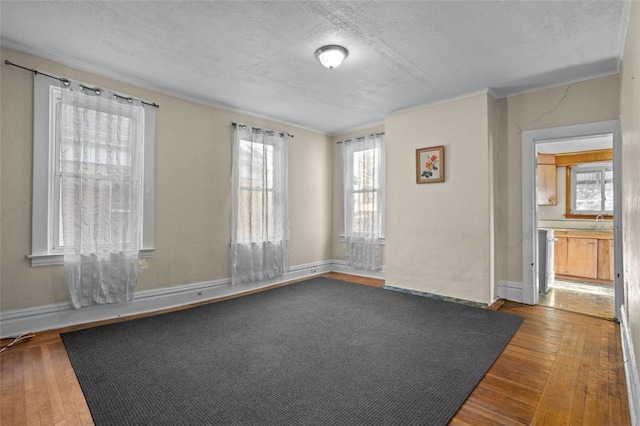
x=575, y=201
x=571, y=223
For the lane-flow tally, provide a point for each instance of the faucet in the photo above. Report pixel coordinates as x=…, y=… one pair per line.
x=601, y=217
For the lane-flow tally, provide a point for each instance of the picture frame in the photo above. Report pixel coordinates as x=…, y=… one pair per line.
x=430, y=164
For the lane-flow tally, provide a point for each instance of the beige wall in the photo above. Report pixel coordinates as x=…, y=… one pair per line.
x=630, y=123
x=583, y=102
x=193, y=162
x=438, y=235
x=337, y=247
x=425, y=226
x=498, y=144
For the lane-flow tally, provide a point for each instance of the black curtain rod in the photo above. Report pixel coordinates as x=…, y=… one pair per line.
x=66, y=82
x=233, y=123
x=360, y=138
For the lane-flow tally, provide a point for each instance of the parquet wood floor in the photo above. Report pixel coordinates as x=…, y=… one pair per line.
x=559, y=368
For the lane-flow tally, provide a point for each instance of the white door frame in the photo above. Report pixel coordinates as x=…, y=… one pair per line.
x=530, y=208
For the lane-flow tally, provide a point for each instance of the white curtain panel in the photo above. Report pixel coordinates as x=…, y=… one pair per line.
x=363, y=191
x=101, y=143
x=259, y=204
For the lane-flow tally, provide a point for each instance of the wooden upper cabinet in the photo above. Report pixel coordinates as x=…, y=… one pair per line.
x=547, y=180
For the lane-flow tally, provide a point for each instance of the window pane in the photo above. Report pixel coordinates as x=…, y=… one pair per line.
x=268, y=158
x=608, y=191
x=256, y=204
x=365, y=174
x=588, y=191
x=105, y=157
x=60, y=242
x=270, y=226
x=365, y=211
x=121, y=197
x=249, y=222
x=256, y=165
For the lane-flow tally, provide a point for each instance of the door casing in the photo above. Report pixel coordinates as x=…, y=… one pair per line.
x=529, y=202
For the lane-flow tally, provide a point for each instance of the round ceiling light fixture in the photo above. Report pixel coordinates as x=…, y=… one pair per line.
x=332, y=55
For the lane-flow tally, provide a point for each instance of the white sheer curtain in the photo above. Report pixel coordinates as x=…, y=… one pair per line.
x=363, y=191
x=101, y=143
x=259, y=204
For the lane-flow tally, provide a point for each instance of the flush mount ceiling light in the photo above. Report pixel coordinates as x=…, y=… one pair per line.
x=332, y=55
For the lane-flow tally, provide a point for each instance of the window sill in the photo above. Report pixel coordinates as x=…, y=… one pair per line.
x=588, y=216
x=58, y=259
x=342, y=239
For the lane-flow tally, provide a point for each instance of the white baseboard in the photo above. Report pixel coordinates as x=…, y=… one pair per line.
x=510, y=290
x=341, y=266
x=59, y=315
x=630, y=369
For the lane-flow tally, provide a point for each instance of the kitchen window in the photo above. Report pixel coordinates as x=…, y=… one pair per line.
x=592, y=189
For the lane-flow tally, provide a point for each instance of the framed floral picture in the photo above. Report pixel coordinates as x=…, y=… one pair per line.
x=430, y=164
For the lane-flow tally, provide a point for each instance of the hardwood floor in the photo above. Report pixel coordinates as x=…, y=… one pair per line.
x=581, y=297
x=559, y=368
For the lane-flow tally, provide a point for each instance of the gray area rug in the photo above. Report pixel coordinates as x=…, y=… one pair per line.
x=318, y=352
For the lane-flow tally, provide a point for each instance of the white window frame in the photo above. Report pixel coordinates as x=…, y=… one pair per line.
x=46, y=181
x=260, y=187
x=379, y=197
x=590, y=168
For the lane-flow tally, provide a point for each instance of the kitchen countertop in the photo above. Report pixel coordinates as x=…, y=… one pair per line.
x=601, y=234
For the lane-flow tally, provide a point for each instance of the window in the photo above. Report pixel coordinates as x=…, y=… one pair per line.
x=363, y=191
x=363, y=201
x=49, y=154
x=256, y=194
x=592, y=189
x=259, y=204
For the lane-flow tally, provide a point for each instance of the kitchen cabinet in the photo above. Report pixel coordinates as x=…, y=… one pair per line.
x=584, y=255
x=547, y=180
x=605, y=260
x=560, y=255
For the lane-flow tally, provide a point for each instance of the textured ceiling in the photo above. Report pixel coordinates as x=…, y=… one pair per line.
x=258, y=57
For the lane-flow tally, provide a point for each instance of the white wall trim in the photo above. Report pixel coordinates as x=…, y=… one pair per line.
x=630, y=370
x=342, y=267
x=60, y=315
x=510, y=290
x=38, y=260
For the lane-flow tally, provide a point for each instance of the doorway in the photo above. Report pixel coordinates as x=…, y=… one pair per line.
x=581, y=232
x=575, y=224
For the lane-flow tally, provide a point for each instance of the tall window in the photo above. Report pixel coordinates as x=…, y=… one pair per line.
x=364, y=192
x=592, y=189
x=259, y=214
x=363, y=205
x=53, y=149
x=256, y=193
